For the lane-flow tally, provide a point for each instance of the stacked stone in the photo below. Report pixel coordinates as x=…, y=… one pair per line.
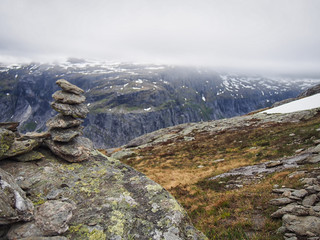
x=300, y=208
x=65, y=128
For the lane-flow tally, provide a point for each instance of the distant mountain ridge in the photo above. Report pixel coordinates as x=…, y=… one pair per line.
x=129, y=100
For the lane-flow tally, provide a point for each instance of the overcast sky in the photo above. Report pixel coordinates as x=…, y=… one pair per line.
x=279, y=35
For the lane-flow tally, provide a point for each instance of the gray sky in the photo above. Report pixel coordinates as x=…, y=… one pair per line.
x=279, y=35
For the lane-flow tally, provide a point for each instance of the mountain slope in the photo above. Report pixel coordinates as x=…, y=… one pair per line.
x=129, y=100
x=190, y=160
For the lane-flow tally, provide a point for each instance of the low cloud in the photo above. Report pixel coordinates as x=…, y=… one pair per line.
x=280, y=35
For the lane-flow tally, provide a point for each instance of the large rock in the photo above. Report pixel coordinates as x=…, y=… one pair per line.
x=69, y=98
x=20, y=147
x=112, y=200
x=76, y=111
x=14, y=204
x=77, y=150
x=6, y=140
x=65, y=135
x=68, y=87
x=51, y=218
x=60, y=121
x=303, y=226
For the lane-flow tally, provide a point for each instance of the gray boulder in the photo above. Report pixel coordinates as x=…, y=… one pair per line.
x=14, y=204
x=68, y=87
x=69, y=98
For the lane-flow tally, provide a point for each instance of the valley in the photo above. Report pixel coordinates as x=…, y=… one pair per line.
x=128, y=100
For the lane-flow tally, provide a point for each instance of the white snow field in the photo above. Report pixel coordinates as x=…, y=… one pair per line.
x=297, y=105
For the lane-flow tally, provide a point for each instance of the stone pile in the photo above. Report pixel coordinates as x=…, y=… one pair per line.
x=65, y=128
x=300, y=208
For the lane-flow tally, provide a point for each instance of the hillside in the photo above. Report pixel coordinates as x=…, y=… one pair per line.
x=129, y=100
x=226, y=172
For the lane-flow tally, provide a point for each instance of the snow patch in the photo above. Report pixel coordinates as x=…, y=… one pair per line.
x=298, y=105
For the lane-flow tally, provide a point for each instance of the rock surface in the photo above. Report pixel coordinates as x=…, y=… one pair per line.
x=108, y=199
x=51, y=218
x=14, y=204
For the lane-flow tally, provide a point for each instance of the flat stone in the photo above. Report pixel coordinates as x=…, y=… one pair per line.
x=34, y=135
x=30, y=156
x=274, y=164
x=294, y=209
x=282, y=190
x=309, y=200
x=300, y=193
x=76, y=111
x=12, y=126
x=281, y=201
x=20, y=147
x=68, y=87
x=77, y=150
x=65, y=135
x=14, y=204
x=61, y=121
x=303, y=226
x=69, y=98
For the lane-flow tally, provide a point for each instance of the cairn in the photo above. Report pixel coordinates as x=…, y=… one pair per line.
x=65, y=128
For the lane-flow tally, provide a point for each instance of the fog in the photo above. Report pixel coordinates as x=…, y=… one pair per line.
x=265, y=35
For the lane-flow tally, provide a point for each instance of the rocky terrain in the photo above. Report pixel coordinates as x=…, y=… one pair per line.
x=129, y=100
x=248, y=177
x=44, y=196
